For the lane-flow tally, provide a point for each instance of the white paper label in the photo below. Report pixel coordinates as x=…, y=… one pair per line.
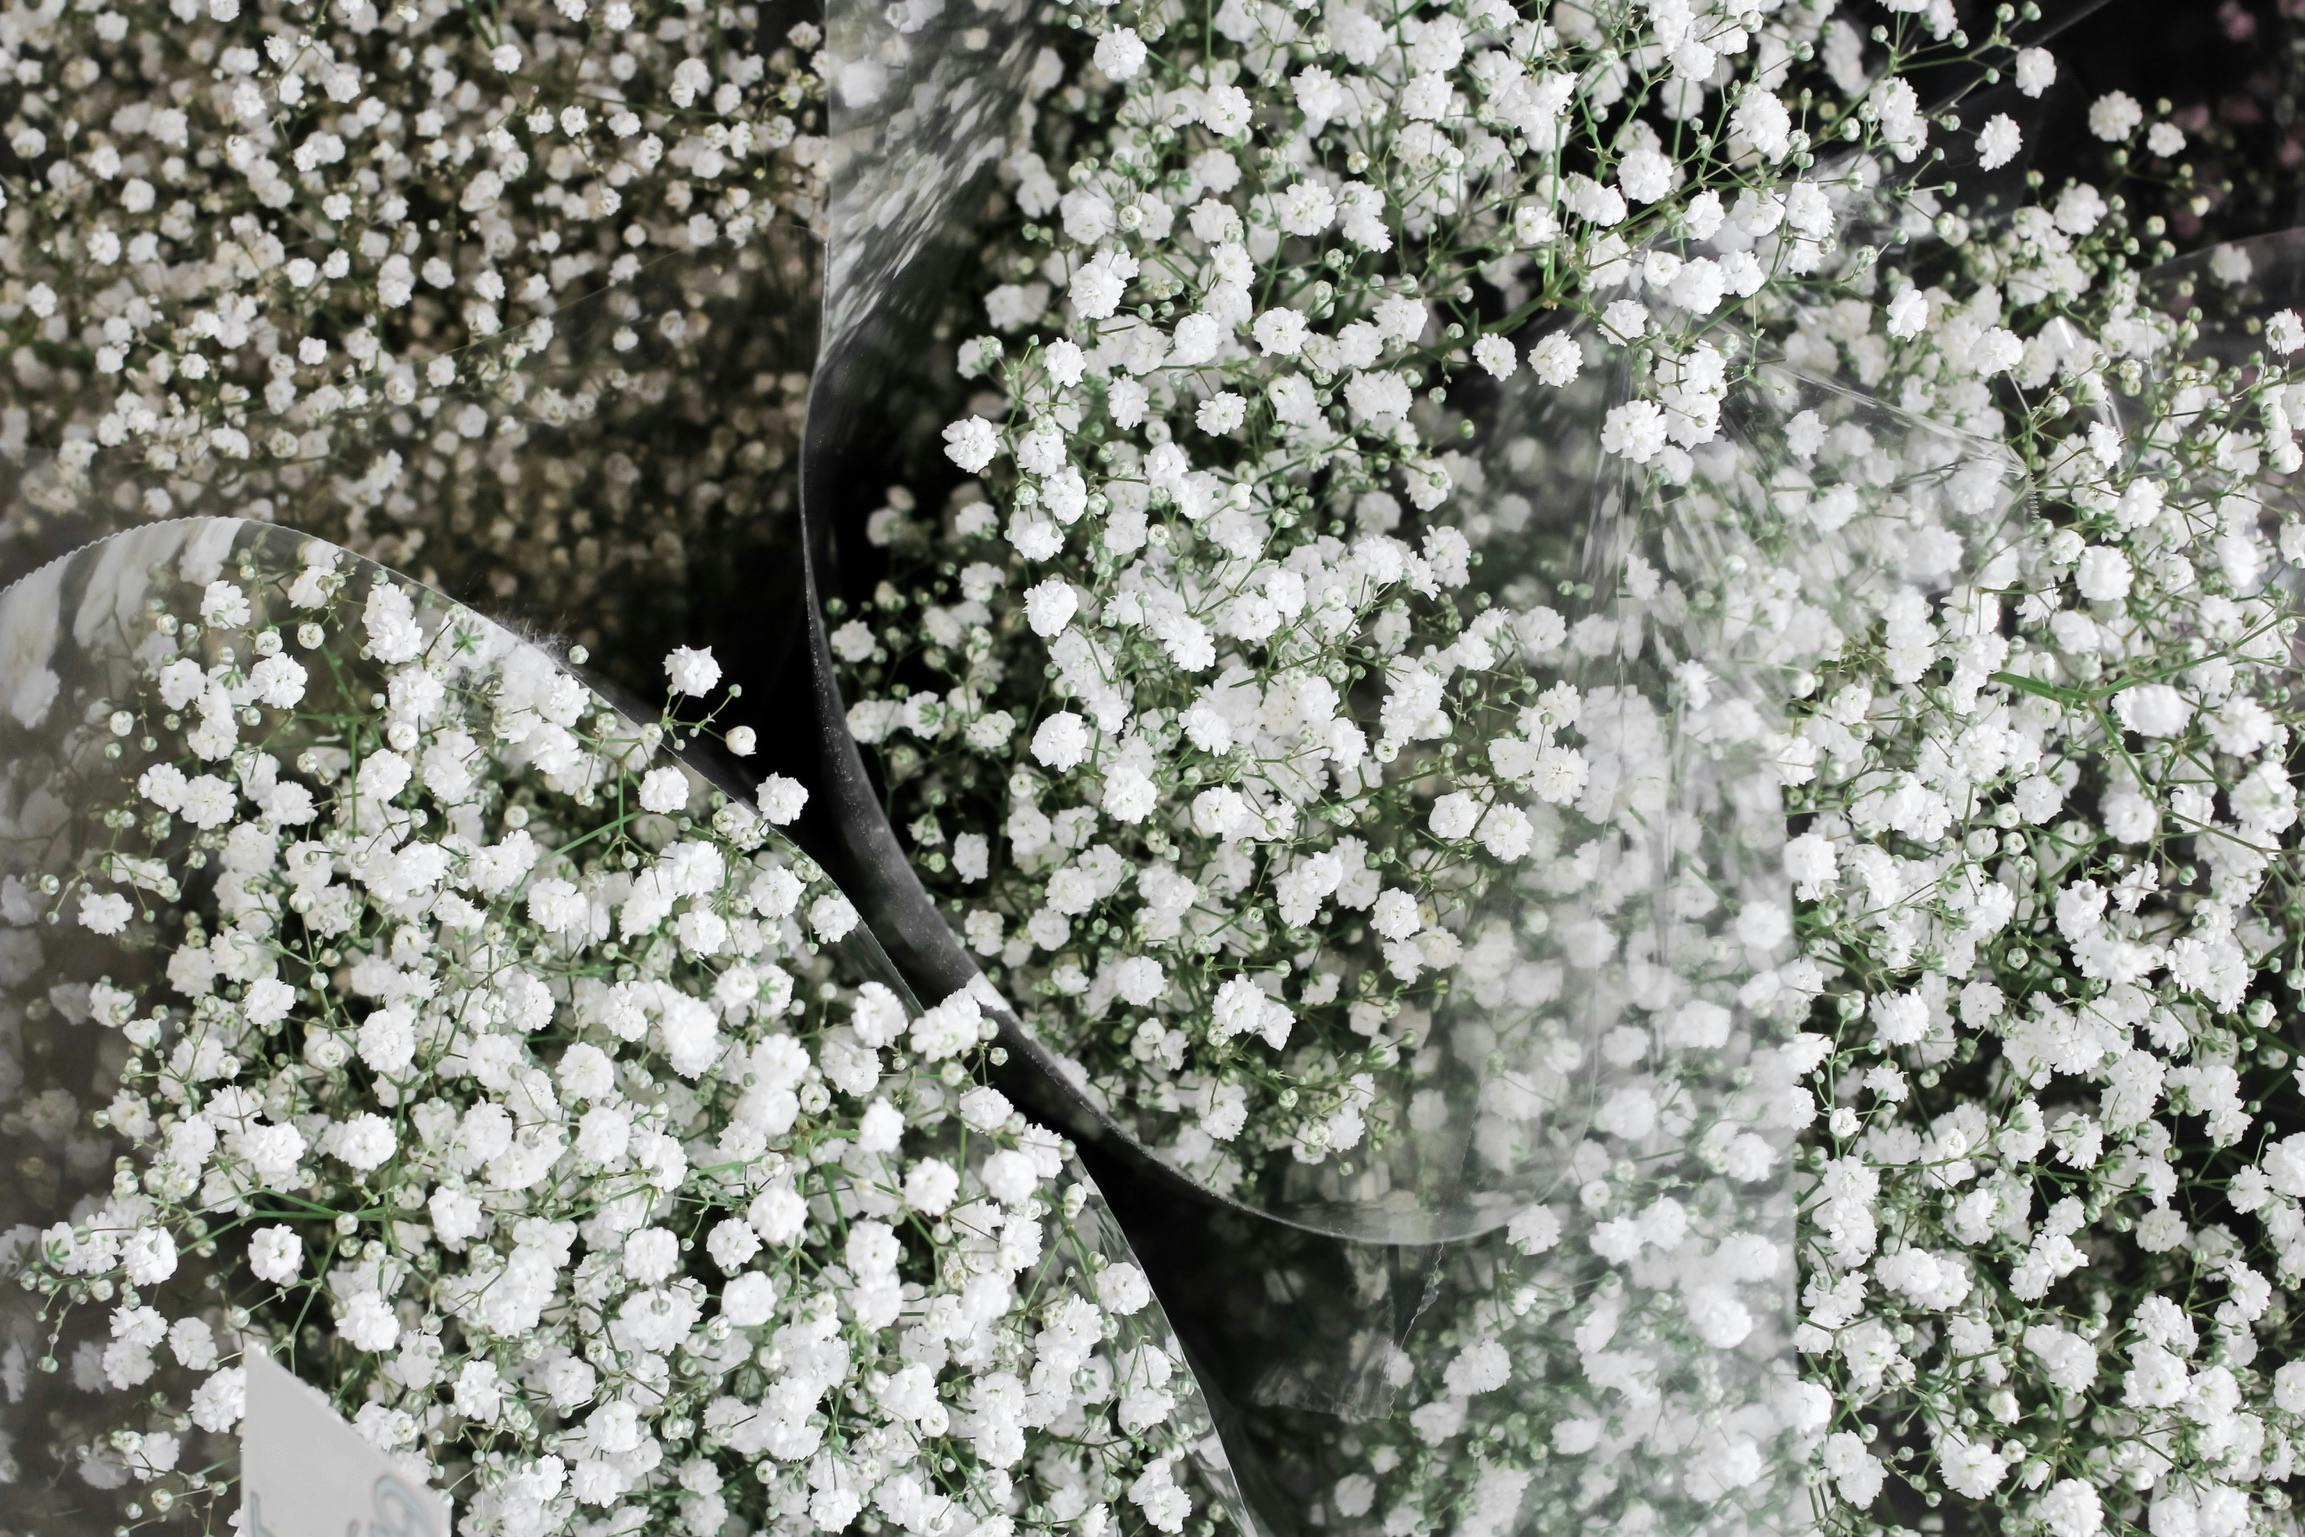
x=304, y=1472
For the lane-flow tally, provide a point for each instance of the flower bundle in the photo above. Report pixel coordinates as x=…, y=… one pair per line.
x=436, y=283
x=1254, y=682
x=469, y=1052
x=1222, y=680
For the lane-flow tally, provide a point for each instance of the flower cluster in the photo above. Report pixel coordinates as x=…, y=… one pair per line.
x=442, y=285
x=1260, y=672
x=2045, y=841
x=1260, y=675
x=460, y=1046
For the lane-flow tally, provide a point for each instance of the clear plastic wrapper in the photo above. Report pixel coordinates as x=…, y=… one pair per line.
x=897, y=206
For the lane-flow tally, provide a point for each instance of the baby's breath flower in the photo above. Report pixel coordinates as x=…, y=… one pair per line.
x=481, y=1099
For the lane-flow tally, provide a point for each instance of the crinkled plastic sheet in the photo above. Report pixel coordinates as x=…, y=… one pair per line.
x=76, y=639
x=2230, y=291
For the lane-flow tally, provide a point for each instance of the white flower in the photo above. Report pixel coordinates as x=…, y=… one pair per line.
x=1279, y=332
x=1120, y=53
x=832, y=1508
x=1195, y=340
x=2070, y=1508
x=363, y=1141
x=1645, y=176
x=2036, y=71
x=1454, y=816
x=1496, y=356
x=104, y=912
x=1634, y=430
x=1908, y=313
x=275, y=1254
x=971, y=444
x=650, y=1255
x=1225, y=110
x=777, y=1214
x=692, y=671
x=2156, y=1379
x=279, y=681
x=1969, y=1469
x=1556, y=359
x=206, y=801
x=1306, y=208
x=1050, y=605
x=1122, y=1290
x=1010, y=1177
x=1241, y=1008
x=2114, y=116
x=556, y=906
x=1900, y=1019
x=224, y=606
x=781, y=799
x=387, y=1040
x=1857, y=1475
x=1096, y=290
x=148, y=1256
x=832, y=916
x=1997, y=350
x=1534, y=1229
x=1811, y=862
x=1763, y=122
x=1129, y=793
x=1221, y=413
x=664, y=790
x=1480, y=1367
x=2103, y=574
x=1998, y=142
x=2153, y=710
x=1061, y=741
x=383, y=775
x=948, y=1028
x=367, y=1323
x=749, y=1300
x=930, y=1186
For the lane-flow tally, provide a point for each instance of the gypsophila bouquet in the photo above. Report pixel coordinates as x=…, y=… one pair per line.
x=2052, y=918
x=1195, y=658
x=434, y=282
x=385, y=1001
x=1150, y=705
